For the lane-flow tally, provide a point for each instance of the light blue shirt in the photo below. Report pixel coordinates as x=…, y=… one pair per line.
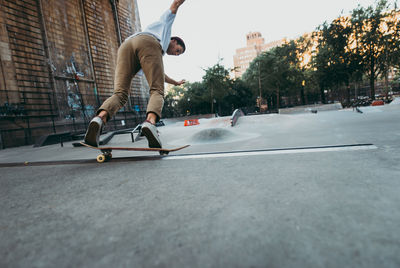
x=161, y=29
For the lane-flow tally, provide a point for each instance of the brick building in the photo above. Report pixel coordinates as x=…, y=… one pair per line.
x=57, y=66
x=255, y=46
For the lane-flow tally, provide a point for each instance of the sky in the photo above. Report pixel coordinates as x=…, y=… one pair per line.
x=214, y=29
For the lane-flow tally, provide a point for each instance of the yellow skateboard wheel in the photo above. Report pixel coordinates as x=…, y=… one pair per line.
x=101, y=158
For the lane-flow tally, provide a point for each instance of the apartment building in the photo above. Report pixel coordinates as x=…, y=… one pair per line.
x=254, y=47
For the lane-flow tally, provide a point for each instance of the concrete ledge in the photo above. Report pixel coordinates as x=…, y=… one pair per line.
x=53, y=139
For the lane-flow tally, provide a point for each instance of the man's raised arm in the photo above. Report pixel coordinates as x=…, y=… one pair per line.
x=175, y=5
x=171, y=81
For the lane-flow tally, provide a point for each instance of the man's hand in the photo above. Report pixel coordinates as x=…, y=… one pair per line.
x=171, y=81
x=180, y=82
x=175, y=5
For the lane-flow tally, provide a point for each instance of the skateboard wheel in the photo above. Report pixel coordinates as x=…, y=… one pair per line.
x=164, y=153
x=101, y=158
x=108, y=156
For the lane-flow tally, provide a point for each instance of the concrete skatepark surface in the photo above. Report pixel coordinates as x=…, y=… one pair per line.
x=279, y=190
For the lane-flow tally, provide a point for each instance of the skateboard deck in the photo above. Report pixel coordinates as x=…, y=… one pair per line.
x=106, y=151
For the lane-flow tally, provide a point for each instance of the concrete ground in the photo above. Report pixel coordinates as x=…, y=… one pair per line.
x=297, y=190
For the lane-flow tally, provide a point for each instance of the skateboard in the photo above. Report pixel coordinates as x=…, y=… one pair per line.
x=106, y=154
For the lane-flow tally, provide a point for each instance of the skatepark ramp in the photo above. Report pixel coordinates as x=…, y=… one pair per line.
x=235, y=116
x=212, y=135
x=311, y=108
x=396, y=101
x=216, y=135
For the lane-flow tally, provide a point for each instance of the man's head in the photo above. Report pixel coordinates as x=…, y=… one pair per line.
x=176, y=46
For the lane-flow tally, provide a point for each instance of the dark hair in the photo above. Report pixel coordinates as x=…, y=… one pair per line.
x=180, y=42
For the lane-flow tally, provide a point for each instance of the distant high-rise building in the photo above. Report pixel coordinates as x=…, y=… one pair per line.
x=255, y=46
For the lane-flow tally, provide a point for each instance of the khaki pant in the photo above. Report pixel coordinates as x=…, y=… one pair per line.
x=139, y=52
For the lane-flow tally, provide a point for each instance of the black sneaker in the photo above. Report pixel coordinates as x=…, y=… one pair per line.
x=93, y=132
x=150, y=132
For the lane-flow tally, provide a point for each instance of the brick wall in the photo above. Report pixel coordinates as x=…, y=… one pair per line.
x=103, y=42
x=129, y=20
x=57, y=65
x=27, y=51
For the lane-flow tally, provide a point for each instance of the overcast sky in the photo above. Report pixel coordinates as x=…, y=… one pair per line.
x=214, y=29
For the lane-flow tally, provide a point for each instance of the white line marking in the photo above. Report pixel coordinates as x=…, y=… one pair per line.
x=273, y=152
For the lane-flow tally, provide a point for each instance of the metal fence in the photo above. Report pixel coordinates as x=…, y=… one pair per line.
x=44, y=113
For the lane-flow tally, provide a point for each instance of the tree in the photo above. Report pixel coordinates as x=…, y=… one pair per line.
x=259, y=75
x=391, y=43
x=288, y=74
x=195, y=99
x=373, y=39
x=171, y=102
x=304, y=47
x=241, y=97
x=277, y=74
x=332, y=62
x=218, y=84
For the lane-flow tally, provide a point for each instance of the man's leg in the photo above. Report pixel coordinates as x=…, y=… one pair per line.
x=152, y=118
x=153, y=68
x=103, y=115
x=127, y=66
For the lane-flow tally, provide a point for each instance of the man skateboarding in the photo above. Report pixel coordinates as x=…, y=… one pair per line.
x=142, y=51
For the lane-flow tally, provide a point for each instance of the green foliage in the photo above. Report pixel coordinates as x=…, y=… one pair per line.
x=350, y=48
x=333, y=64
x=217, y=90
x=217, y=82
x=276, y=73
x=376, y=39
x=343, y=52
